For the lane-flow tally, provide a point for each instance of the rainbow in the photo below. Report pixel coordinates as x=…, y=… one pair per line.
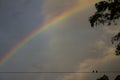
x=83, y=5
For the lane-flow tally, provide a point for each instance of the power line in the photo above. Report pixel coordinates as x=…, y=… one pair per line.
x=58, y=72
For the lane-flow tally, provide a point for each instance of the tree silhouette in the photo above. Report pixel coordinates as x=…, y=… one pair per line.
x=105, y=77
x=118, y=77
x=107, y=13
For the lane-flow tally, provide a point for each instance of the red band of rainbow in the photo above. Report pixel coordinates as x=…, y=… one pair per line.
x=82, y=6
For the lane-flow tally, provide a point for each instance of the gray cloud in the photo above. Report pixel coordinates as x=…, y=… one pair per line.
x=75, y=40
x=100, y=64
x=70, y=45
x=53, y=8
x=17, y=20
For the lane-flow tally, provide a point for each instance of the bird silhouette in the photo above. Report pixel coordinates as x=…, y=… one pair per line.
x=93, y=71
x=96, y=71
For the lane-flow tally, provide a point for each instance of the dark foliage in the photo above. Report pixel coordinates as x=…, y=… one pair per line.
x=107, y=12
x=105, y=77
x=118, y=77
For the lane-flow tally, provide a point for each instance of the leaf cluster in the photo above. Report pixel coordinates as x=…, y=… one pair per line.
x=107, y=12
x=105, y=77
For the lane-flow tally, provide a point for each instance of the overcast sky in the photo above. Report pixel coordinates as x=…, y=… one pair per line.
x=70, y=45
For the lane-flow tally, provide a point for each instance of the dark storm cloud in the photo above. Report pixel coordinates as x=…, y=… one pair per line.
x=17, y=20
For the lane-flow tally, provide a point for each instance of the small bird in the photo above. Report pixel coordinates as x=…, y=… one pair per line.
x=93, y=71
x=96, y=71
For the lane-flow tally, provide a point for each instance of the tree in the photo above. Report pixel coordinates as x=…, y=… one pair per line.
x=105, y=77
x=118, y=77
x=107, y=13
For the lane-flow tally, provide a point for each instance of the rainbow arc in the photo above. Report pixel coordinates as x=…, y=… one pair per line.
x=84, y=4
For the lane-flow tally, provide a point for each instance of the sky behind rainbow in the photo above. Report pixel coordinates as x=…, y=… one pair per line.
x=82, y=6
x=65, y=41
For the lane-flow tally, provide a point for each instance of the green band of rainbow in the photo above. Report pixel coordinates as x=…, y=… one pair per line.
x=83, y=5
